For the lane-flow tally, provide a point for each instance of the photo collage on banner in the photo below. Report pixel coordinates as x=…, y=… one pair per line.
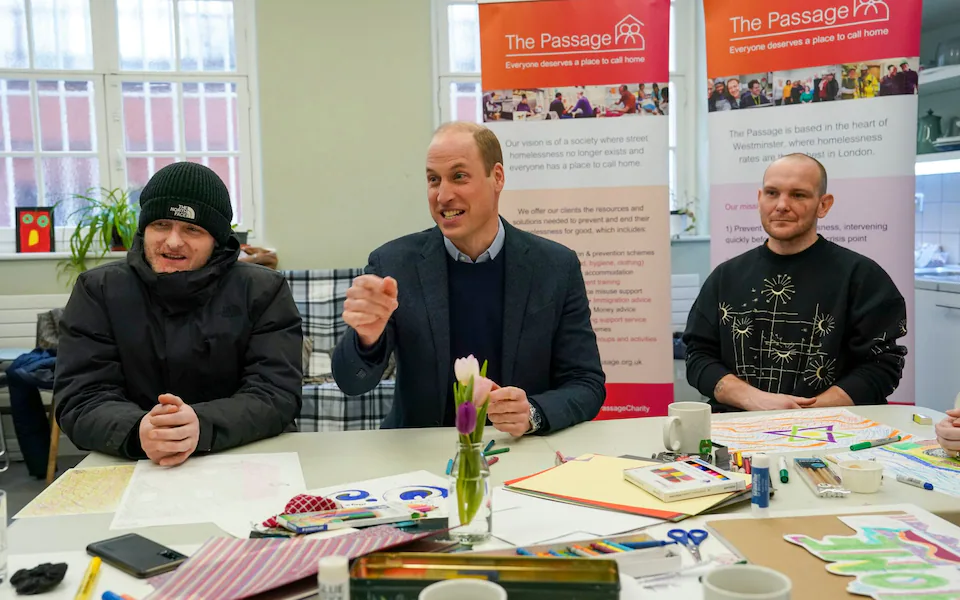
x=577, y=92
x=837, y=81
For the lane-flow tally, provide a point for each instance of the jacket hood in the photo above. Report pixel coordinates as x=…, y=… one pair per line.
x=184, y=290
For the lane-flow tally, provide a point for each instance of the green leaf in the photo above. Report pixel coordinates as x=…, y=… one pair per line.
x=483, y=369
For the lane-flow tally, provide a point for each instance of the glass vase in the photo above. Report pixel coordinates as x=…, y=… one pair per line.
x=471, y=496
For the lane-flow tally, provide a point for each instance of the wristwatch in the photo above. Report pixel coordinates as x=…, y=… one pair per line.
x=535, y=419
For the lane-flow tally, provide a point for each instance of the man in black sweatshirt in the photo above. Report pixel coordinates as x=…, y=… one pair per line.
x=799, y=322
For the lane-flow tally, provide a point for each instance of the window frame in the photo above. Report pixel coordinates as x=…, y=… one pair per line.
x=108, y=103
x=682, y=103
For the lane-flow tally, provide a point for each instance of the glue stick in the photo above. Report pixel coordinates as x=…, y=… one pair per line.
x=333, y=578
x=760, y=499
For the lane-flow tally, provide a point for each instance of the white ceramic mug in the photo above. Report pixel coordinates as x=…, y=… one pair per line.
x=463, y=589
x=746, y=582
x=688, y=423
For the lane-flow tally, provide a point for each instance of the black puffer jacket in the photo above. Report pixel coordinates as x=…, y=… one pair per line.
x=226, y=338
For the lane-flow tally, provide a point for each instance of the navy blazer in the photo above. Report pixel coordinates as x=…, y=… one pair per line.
x=549, y=347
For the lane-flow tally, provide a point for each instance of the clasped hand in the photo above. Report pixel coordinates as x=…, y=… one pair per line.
x=170, y=432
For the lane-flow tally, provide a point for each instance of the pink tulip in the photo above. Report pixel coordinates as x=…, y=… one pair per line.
x=481, y=390
x=465, y=368
x=466, y=418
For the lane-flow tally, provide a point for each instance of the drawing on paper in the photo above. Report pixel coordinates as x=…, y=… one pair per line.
x=924, y=459
x=892, y=556
x=814, y=429
x=81, y=492
x=419, y=487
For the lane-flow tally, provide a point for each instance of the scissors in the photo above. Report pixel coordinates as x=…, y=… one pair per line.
x=691, y=539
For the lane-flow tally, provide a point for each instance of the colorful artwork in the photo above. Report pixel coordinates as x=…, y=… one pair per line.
x=924, y=459
x=419, y=487
x=90, y=490
x=35, y=229
x=816, y=429
x=672, y=475
x=893, y=556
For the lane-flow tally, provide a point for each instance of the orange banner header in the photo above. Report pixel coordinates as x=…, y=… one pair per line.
x=749, y=37
x=552, y=43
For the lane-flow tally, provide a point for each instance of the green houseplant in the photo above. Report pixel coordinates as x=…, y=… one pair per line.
x=106, y=221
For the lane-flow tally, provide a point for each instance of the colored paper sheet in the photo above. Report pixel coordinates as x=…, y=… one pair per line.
x=923, y=459
x=816, y=429
x=597, y=480
x=80, y=492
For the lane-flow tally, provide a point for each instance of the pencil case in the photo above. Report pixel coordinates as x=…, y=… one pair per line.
x=820, y=478
x=402, y=576
x=641, y=562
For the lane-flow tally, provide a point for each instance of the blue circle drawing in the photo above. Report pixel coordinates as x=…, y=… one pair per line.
x=415, y=492
x=351, y=495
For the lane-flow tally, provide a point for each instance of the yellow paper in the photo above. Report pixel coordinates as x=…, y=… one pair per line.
x=597, y=478
x=81, y=492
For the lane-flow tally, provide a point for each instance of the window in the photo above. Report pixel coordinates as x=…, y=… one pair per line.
x=103, y=93
x=459, y=92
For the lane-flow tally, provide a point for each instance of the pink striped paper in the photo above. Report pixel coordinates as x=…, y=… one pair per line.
x=232, y=569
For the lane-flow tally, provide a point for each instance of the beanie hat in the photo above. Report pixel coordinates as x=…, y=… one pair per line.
x=188, y=192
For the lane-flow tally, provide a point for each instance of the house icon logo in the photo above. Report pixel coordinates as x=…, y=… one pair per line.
x=628, y=31
x=876, y=9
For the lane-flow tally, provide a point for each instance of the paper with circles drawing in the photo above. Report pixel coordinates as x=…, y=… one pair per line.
x=203, y=487
x=815, y=429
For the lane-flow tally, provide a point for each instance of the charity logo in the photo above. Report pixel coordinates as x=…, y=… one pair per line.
x=628, y=31
x=182, y=211
x=877, y=9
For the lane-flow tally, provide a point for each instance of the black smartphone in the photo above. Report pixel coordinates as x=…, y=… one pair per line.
x=136, y=555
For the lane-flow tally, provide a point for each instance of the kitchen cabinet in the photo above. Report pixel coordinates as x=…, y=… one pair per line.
x=937, y=352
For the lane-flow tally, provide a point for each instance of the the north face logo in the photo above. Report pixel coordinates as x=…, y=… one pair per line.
x=184, y=212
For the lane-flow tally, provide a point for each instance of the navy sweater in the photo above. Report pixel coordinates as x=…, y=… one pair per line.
x=476, y=317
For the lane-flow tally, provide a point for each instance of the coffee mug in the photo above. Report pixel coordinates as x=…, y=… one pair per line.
x=861, y=476
x=463, y=589
x=745, y=582
x=687, y=425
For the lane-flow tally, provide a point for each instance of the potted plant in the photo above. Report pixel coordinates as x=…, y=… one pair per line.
x=106, y=221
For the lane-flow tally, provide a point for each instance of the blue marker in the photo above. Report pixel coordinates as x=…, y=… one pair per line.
x=449, y=466
x=915, y=482
x=555, y=553
x=489, y=445
x=523, y=552
x=645, y=545
x=111, y=596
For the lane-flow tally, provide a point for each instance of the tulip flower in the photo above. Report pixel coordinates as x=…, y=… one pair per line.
x=465, y=368
x=466, y=418
x=481, y=390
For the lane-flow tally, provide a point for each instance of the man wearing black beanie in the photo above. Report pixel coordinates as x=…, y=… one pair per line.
x=181, y=348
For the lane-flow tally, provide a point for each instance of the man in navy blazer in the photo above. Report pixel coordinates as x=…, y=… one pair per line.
x=473, y=284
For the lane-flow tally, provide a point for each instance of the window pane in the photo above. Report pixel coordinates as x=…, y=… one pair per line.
x=206, y=35
x=18, y=187
x=61, y=34
x=66, y=116
x=13, y=35
x=227, y=167
x=139, y=171
x=672, y=60
x=16, y=118
x=146, y=35
x=465, y=102
x=210, y=117
x=464, y=37
x=150, y=117
x=65, y=177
